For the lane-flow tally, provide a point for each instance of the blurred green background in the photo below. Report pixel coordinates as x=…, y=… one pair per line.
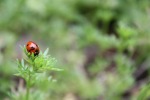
x=102, y=45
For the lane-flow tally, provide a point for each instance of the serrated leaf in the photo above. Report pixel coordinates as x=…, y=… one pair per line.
x=22, y=63
x=29, y=61
x=17, y=61
x=46, y=52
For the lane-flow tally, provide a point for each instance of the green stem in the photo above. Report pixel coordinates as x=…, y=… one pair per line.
x=28, y=87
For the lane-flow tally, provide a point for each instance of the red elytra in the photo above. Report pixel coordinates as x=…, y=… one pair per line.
x=32, y=47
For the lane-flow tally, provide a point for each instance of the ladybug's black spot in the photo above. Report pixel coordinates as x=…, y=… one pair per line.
x=36, y=51
x=32, y=48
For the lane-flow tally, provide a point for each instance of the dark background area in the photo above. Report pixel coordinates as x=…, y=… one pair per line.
x=102, y=45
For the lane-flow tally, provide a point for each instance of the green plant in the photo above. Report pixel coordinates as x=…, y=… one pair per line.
x=31, y=67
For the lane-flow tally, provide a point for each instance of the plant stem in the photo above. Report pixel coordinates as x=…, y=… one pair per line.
x=28, y=87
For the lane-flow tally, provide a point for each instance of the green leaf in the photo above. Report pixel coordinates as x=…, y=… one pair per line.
x=145, y=93
x=46, y=52
x=22, y=63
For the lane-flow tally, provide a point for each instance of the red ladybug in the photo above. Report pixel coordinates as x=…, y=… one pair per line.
x=32, y=48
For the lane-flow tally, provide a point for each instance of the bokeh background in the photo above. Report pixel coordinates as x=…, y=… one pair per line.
x=102, y=45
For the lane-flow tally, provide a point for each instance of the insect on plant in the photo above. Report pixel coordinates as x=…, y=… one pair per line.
x=33, y=64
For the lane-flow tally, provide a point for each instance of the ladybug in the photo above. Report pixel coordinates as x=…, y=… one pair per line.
x=32, y=47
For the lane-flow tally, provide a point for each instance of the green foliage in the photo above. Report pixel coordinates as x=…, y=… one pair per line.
x=103, y=45
x=144, y=94
x=31, y=71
